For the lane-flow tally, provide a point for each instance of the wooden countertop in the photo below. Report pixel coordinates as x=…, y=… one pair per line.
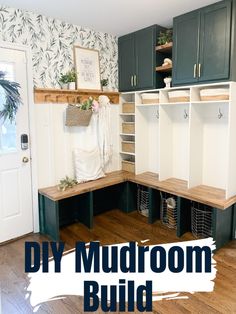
x=203, y=194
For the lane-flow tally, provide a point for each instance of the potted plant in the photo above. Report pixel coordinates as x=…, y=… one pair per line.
x=68, y=80
x=104, y=83
x=71, y=78
x=12, y=98
x=165, y=37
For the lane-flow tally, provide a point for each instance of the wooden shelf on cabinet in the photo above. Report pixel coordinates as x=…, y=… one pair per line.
x=50, y=95
x=167, y=48
x=161, y=68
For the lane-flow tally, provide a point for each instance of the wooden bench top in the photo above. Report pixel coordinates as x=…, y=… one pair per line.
x=112, y=178
x=203, y=194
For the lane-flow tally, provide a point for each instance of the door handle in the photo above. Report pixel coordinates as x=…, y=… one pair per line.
x=135, y=80
x=199, y=69
x=25, y=160
x=195, y=70
x=132, y=80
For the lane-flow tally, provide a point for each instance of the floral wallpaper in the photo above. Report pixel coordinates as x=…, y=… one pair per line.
x=52, y=42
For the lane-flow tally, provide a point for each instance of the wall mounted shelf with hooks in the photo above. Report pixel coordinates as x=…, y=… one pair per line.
x=49, y=95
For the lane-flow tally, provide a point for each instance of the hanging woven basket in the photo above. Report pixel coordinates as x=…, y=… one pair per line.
x=77, y=117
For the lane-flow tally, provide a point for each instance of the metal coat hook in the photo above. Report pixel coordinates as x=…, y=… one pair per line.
x=185, y=114
x=220, y=114
x=157, y=115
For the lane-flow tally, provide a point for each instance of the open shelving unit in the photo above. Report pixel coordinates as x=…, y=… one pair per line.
x=193, y=142
x=127, y=132
x=164, y=51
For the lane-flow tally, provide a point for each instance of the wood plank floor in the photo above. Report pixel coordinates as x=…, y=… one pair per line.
x=109, y=228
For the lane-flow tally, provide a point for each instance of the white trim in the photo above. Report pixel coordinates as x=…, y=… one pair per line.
x=29, y=66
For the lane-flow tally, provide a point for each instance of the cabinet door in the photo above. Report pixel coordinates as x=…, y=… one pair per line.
x=215, y=41
x=126, y=61
x=145, y=43
x=185, y=48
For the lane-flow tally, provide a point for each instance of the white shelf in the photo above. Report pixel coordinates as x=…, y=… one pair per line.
x=126, y=134
x=127, y=114
x=174, y=103
x=127, y=153
x=211, y=102
x=147, y=105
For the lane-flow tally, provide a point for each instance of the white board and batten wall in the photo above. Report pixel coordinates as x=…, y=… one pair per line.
x=56, y=143
x=188, y=141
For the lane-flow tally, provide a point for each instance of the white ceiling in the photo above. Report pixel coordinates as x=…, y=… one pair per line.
x=117, y=17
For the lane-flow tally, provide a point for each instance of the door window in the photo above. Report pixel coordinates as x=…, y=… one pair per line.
x=7, y=129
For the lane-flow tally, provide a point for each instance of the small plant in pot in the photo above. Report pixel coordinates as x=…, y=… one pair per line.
x=165, y=37
x=12, y=98
x=68, y=80
x=104, y=83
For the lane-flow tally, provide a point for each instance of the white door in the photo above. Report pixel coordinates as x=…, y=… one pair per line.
x=16, y=212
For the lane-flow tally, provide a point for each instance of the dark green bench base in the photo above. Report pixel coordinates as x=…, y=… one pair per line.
x=82, y=208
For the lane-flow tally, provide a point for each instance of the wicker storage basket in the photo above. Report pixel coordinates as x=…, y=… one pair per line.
x=128, y=147
x=211, y=94
x=179, y=96
x=150, y=98
x=77, y=117
x=128, y=107
x=128, y=127
x=128, y=166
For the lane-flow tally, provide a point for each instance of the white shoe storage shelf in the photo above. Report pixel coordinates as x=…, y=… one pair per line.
x=193, y=141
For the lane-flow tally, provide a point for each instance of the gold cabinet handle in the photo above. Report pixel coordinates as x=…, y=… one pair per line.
x=132, y=80
x=199, y=69
x=135, y=80
x=195, y=70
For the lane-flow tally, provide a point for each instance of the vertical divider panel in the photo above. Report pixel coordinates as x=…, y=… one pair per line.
x=231, y=176
x=141, y=137
x=165, y=144
x=195, y=148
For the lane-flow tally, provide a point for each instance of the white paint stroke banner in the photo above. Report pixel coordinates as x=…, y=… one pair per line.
x=44, y=287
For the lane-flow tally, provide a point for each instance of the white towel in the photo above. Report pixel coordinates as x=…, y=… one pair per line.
x=104, y=130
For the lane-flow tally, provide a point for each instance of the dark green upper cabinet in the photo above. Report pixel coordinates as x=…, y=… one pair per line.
x=137, y=60
x=145, y=43
x=126, y=62
x=215, y=42
x=202, y=41
x=185, y=52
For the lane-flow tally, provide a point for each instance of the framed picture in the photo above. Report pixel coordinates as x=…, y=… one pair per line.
x=87, y=68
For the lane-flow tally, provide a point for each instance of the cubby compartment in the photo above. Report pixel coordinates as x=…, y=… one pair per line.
x=128, y=107
x=147, y=138
x=128, y=128
x=128, y=163
x=174, y=141
x=128, y=147
x=209, y=140
x=175, y=95
x=211, y=93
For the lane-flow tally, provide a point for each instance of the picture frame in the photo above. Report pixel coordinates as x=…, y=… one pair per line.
x=87, y=67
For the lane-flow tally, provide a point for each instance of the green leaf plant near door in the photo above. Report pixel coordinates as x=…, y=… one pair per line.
x=12, y=99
